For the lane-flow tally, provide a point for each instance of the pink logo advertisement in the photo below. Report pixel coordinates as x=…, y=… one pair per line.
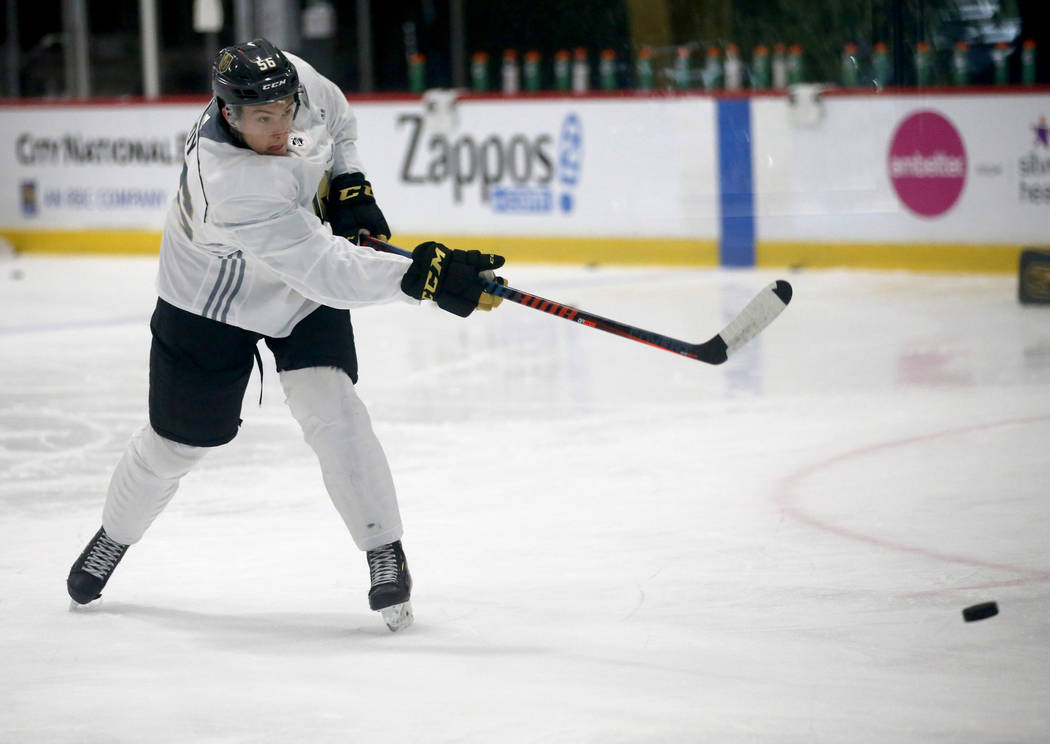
x=927, y=163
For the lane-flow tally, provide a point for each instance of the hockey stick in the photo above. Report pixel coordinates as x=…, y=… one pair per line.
x=752, y=320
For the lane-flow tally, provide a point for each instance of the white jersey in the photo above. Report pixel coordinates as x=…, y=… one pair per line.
x=242, y=241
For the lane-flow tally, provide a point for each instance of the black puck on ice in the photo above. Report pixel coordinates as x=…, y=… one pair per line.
x=980, y=611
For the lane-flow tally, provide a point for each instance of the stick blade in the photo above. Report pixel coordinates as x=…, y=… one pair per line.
x=762, y=310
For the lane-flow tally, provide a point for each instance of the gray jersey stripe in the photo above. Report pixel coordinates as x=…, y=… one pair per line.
x=240, y=268
x=215, y=289
x=230, y=261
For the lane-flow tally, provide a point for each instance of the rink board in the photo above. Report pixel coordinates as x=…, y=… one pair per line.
x=831, y=180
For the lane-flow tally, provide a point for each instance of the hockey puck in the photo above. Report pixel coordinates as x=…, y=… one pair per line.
x=980, y=611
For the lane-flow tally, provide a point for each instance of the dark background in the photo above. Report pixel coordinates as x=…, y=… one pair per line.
x=822, y=27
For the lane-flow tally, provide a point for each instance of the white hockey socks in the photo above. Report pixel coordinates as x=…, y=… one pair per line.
x=143, y=483
x=354, y=467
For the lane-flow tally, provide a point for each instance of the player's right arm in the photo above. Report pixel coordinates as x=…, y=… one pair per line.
x=270, y=228
x=259, y=214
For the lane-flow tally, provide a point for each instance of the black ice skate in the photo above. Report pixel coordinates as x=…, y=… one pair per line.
x=93, y=568
x=391, y=585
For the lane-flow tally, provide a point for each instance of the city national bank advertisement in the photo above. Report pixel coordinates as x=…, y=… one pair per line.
x=85, y=167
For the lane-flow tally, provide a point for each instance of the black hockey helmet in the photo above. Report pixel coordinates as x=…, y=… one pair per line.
x=253, y=73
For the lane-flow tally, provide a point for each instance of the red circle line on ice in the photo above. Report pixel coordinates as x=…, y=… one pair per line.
x=927, y=163
x=787, y=497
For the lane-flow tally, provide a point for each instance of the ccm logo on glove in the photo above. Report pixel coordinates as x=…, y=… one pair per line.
x=434, y=272
x=351, y=208
x=356, y=192
x=452, y=278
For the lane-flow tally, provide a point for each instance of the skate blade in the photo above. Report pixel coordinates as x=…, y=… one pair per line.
x=94, y=604
x=397, y=617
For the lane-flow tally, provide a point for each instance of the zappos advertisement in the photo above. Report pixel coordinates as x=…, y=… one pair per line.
x=557, y=167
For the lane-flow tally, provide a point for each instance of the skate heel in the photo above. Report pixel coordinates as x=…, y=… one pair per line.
x=397, y=617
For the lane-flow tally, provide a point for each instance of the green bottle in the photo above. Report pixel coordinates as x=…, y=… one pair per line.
x=714, y=76
x=417, y=73
x=850, y=73
x=644, y=69
x=999, y=55
x=607, y=69
x=880, y=65
x=923, y=64
x=532, y=71
x=479, y=71
x=562, y=70
x=760, y=71
x=1028, y=62
x=961, y=63
x=796, y=74
x=681, y=69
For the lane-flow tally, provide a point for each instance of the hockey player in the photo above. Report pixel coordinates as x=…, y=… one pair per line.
x=257, y=245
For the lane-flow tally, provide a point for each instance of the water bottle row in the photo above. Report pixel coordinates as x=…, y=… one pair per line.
x=690, y=67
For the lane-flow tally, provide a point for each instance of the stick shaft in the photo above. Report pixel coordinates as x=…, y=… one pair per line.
x=714, y=351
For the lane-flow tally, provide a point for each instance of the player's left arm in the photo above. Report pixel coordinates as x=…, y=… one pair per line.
x=351, y=204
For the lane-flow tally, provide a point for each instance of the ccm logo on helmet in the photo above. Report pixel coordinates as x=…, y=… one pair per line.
x=278, y=84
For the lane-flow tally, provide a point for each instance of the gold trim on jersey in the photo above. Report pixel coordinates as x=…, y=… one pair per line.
x=321, y=197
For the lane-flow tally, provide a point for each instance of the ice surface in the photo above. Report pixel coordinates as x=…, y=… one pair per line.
x=609, y=543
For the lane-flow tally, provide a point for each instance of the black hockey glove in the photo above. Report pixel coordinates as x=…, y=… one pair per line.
x=450, y=277
x=352, y=208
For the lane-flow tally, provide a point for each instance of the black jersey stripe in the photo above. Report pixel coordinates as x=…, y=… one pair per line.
x=210, y=113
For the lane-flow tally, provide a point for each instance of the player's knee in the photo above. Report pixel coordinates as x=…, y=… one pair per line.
x=322, y=398
x=324, y=393
x=163, y=457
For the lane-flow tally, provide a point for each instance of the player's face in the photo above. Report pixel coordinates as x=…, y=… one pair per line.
x=265, y=127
